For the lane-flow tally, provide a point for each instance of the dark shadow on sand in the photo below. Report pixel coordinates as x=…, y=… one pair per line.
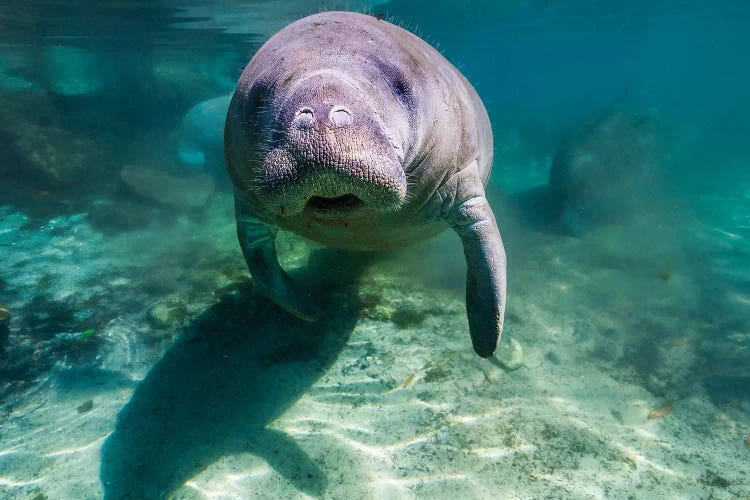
x=239, y=366
x=538, y=209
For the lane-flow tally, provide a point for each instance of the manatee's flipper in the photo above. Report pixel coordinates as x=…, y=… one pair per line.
x=286, y=457
x=257, y=241
x=474, y=222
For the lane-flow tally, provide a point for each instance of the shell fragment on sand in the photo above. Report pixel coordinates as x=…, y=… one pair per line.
x=510, y=354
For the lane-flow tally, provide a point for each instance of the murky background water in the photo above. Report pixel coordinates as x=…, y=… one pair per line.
x=138, y=362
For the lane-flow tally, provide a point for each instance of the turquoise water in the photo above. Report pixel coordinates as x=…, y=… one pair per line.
x=139, y=361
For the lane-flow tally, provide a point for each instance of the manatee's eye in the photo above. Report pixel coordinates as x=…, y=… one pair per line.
x=257, y=111
x=400, y=89
x=396, y=80
x=259, y=100
x=255, y=101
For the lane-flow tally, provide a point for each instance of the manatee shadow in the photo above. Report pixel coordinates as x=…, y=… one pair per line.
x=544, y=209
x=238, y=366
x=539, y=209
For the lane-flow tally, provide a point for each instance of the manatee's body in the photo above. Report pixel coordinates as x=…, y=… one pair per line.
x=355, y=133
x=601, y=170
x=200, y=139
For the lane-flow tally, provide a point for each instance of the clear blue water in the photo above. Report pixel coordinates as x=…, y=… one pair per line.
x=138, y=361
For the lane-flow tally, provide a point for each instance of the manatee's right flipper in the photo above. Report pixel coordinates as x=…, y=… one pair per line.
x=257, y=241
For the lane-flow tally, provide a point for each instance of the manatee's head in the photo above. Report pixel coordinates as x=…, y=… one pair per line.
x=322, y=130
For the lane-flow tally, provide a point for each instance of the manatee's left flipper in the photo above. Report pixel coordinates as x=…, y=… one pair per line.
x=257, y=241
x=287, y=458
x=474, y=222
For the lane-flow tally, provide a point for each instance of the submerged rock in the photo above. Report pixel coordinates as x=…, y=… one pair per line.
x=12, y=77
x=154, y=185
x=407, y=318
x=86, y=406
x=50, y=157
x=72, y=71
x=112, y=217
x=166, y=315
x=10, y=83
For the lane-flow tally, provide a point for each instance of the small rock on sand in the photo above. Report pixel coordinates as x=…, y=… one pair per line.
x=166, y=315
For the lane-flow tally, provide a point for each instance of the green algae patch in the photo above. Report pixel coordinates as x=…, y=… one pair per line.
x=89, y=332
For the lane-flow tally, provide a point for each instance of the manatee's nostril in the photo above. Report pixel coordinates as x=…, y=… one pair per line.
x=305, y=118
x=340, y=117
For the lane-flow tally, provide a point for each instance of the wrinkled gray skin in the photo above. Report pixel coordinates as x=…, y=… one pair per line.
x=355, y=133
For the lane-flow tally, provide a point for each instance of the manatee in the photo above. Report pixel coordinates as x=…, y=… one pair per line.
x=357, y=134
x=200, y=143
x=603, y=169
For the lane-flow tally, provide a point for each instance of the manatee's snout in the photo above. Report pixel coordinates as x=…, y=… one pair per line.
x=331, y=154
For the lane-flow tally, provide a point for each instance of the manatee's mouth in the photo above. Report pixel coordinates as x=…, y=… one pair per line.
x=344, y=202
x=349, y=187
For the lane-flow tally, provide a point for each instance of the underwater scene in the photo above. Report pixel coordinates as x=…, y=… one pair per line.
x=289, y=279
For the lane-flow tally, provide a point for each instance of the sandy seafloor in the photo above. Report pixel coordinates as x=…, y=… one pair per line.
x=383, y=397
